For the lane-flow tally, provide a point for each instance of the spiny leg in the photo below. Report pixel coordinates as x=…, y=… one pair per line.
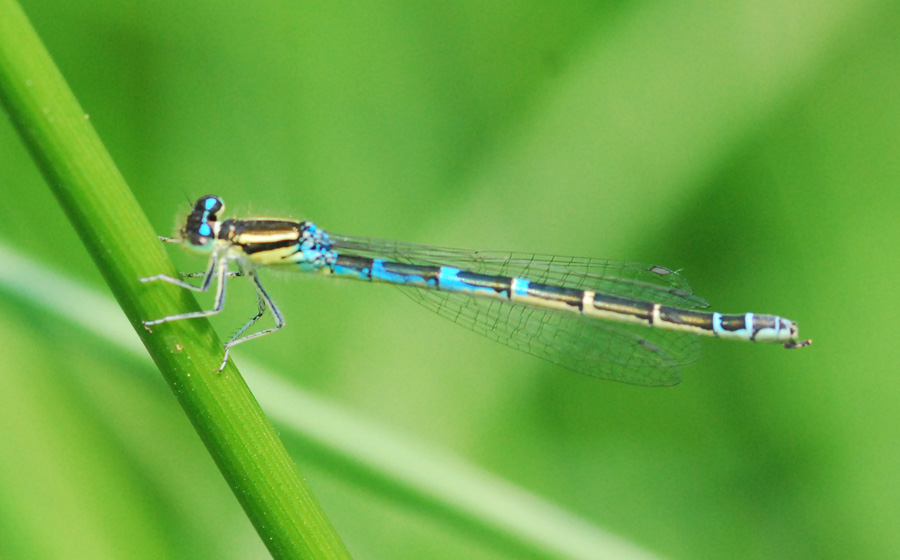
x=218, y=268
x=211, y=270
x=229, y=274
x=263, y=299
x=261, y=309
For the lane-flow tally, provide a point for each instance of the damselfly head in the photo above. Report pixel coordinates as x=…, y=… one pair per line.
x=202, y=225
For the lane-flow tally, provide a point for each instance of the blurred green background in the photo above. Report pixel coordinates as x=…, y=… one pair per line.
x=754, y=146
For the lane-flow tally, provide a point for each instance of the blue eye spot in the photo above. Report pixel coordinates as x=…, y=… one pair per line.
x=211, y=203
x=205, y=230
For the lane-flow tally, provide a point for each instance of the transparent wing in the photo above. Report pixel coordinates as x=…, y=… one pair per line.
x=605, y=350
x=626, y=279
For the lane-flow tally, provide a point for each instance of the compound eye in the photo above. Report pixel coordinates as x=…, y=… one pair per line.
x=209, y=204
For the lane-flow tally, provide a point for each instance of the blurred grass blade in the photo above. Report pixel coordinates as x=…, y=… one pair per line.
x=119, y=238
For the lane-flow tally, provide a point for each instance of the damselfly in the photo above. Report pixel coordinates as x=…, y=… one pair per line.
x=613, y=320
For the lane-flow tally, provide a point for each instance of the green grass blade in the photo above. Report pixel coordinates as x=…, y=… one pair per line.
x=109, y=221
